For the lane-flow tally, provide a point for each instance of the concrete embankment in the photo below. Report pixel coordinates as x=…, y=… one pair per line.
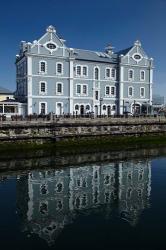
x=79, y=129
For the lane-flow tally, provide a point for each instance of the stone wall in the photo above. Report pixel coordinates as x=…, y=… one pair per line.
x=63, y=129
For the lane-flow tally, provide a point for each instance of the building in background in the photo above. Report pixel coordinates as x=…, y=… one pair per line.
x=5, y=94
x=54, y=78
x=158, y=103
x=8, y=105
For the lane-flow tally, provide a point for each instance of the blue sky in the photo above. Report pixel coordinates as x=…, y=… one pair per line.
x=88, y=24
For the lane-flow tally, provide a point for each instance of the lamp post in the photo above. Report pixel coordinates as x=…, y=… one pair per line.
x=101, y=99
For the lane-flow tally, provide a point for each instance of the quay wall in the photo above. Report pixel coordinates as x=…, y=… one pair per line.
x=66, y=129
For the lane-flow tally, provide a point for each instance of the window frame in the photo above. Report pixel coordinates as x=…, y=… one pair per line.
x=113, y=70
x=107, y=86
x=111, y=91
x=81, y=89
x=107, y=68
x=40, y=67
x=130, y=78
x=142, y=96
x=59, y=73
x=94, y=73
x=40, y=103
x=142, y=79
x=57, y=92
x=129, y=91
x=42, y=92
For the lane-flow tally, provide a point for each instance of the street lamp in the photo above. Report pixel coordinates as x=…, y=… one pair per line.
x=101, y=99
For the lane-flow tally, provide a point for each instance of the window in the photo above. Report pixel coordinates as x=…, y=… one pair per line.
x=96, y=72
x=76, y=107
x=107, y=73
x=43, y=189
x=59, y=68
x=130, y=91
x=113, y=90
x=107, y=90
x=59, y=187
x=59, y=88
x=142, y=92
x=81, y=70
x=142, y=75
x=130, y=74
x=78, y=89
x=104, y=107
x=43, y=208
x=81, y=89
x=97, y=95
x=87, y=107
x=113, y=73
x=42, y=67
x=51, y=46
x=59, y=204
x=42, y=87
x=78, y=70
x=85, y=71
x=114, y=107
x=84, y=89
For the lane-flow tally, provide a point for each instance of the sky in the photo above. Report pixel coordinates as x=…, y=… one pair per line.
x=86, y=24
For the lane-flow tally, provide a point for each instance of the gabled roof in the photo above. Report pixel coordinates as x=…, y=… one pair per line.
x=89, y=55
x=5, y=91
x=124, y=51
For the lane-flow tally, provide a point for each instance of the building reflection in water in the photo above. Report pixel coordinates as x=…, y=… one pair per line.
x=49, y=200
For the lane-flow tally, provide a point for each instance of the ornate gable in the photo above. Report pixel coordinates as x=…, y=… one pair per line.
x=49, y=43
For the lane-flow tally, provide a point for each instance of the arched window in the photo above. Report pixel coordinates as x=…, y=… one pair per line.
x=104, y=107
x=96, y=73
x=142, y=75
x=113, y=107
x=130, y=74
x=87, y=107
x=76, y=107
x=130, y=91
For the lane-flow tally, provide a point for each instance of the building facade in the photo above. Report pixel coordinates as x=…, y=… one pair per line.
x=54, y=78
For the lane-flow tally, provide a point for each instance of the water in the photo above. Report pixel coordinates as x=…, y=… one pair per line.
x=116, y=204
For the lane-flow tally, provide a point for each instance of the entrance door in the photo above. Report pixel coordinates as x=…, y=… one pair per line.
x=136, y=109
x=82, y=110
x=109, y=110
x=59, y=109
x=96, y=110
